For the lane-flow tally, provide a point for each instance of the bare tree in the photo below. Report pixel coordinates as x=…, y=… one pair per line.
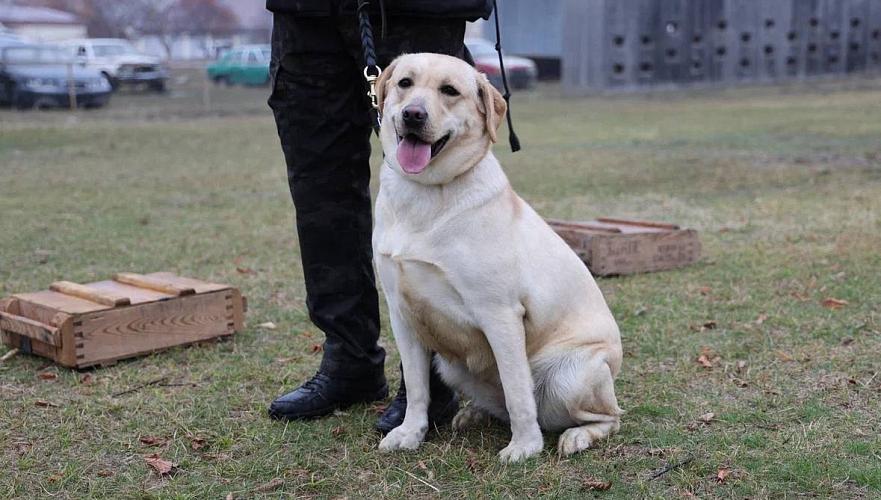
x=163, y=18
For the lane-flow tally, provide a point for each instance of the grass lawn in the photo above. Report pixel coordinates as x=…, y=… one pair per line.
x=784, y=185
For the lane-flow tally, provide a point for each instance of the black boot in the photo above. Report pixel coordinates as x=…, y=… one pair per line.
x=441, y=410
x=322, y=394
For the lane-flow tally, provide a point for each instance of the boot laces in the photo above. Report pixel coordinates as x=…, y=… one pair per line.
x=316, y=383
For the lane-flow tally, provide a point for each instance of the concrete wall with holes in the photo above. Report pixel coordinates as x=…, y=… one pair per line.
x=627, y=44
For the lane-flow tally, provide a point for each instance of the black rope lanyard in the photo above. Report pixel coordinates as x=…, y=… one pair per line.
x=372, y=70
x=512, y=137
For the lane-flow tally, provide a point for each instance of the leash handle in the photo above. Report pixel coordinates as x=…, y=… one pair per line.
x=371, y=69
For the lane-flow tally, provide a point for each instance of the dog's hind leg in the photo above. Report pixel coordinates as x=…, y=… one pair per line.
x=487, y=400
x=595, y=408
x=576, y=392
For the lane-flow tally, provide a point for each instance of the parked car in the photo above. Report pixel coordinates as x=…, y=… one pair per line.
x=38, y=76
x=245, y=65
x=7, y=39
x=120, y=62
x=522, y=72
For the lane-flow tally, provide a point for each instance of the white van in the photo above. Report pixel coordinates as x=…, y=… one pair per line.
x=119, y=61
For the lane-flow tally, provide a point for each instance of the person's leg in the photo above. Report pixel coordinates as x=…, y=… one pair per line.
x=324, y=128
x=410, y=35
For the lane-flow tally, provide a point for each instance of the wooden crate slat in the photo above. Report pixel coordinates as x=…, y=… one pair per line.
x=58, y=301
x=29, y=328
x=149, y=327
x=199, y=285
x=153, y=283
x=135, y=294
x=90, y=294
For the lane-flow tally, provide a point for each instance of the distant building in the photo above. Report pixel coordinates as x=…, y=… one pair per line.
x=628, y=44
x=39, y=23
x=621, y=44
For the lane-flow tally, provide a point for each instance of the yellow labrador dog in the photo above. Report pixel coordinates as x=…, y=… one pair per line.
x=470, y=271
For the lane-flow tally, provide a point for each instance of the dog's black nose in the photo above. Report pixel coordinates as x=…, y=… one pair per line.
x=414, y=116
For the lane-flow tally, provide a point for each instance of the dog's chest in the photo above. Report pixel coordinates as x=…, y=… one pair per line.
x=439, y=316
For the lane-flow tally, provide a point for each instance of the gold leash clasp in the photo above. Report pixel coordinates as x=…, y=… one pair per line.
x=371, y=81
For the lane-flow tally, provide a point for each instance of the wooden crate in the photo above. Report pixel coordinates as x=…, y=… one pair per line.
x=131, y=315
x=617, y=246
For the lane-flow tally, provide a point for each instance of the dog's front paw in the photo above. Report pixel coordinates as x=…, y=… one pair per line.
x=521, y=450
x=401, y=438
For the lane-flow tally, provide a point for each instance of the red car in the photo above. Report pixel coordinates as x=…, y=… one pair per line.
x=521, y=71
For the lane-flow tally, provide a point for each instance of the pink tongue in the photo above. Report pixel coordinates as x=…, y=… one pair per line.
x=413, y=154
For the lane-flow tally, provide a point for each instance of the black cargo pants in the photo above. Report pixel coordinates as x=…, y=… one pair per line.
x=323, y=120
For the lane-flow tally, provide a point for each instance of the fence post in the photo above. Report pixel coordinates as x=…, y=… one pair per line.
x=71, y=87
x=206, y=93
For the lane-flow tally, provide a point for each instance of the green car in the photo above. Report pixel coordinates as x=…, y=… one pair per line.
x=244, y=65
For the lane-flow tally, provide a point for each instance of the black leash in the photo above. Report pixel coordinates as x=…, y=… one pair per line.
x=512, y=137
x=372, y=70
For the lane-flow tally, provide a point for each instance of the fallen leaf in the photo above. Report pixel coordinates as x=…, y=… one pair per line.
x=709, y=325
x=338, y=430
x=704, y=361
x=160, y=465
x=761, y=319
x=86, y=379
x=316, y=348
x=591, y=484
x=152, y=440
x=48, y=375
x=420, y=464
x=241, y=268
x=471, y=461
x=801, y=297
x=104, y=473
x=707, y=417
x=708, y=358
x=832, y=303
x=54, y=477
x=722, y=475
x=45, y=404
x=269, y=325
x=782, y=356
x=197, y=443
x=271, y=485
x=705, y=290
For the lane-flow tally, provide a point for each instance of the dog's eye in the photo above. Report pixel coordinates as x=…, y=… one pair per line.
x=449, y=90
x=405, y=82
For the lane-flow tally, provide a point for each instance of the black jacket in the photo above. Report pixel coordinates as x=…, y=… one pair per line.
x=463, y=9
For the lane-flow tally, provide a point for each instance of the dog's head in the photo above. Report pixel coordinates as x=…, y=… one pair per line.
x=440, y=116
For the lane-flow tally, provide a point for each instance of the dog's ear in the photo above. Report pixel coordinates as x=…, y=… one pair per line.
x=493, y=104
x=382, y=83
